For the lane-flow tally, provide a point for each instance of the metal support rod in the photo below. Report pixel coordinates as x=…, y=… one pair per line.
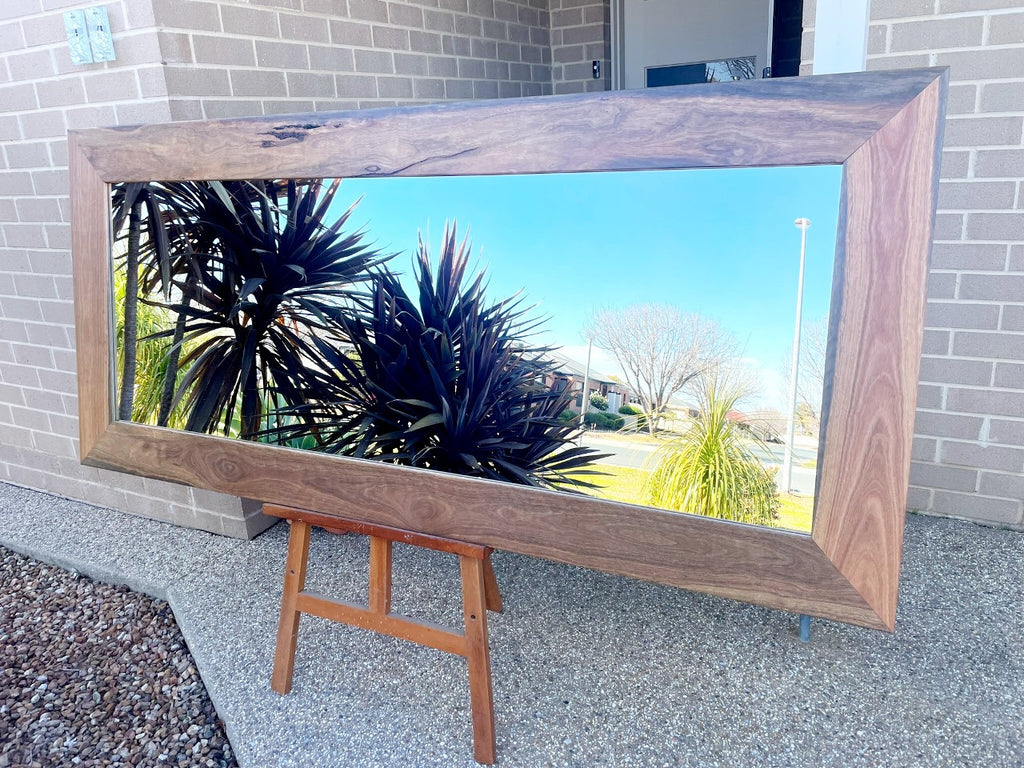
x=805, y=628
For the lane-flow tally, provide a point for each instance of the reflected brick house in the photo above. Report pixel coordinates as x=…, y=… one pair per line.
x=191, y=59
x=570, y=374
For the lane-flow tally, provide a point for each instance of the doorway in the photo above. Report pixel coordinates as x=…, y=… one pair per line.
x=672, y=42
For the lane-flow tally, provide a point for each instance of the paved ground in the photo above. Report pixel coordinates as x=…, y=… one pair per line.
x=589, y=669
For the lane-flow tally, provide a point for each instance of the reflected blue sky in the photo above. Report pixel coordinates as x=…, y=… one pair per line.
x=719, y=242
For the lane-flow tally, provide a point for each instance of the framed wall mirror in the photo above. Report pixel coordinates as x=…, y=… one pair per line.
x=573, y=212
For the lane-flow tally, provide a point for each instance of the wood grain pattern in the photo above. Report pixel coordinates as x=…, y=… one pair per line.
x=478, y=659
x=752, y=123
x=418, y=631
x=404, y=536
x=779, y=568
x=380, y=574
x=288, y=624
x=882, y=126
x=862, y=498
x=92, y=278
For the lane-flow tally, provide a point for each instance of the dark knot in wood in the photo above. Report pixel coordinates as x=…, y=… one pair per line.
x=289, y=132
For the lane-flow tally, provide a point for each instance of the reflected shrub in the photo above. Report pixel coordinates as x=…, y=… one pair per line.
x=633, y=410
x=602, y=420
x=710, y=470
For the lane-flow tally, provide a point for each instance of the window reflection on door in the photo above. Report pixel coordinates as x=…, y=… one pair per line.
x=702, y=72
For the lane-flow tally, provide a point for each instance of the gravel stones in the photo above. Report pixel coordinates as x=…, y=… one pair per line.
x=92, y=674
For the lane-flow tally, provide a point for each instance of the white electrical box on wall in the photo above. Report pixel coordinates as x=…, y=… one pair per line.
x=99, y=33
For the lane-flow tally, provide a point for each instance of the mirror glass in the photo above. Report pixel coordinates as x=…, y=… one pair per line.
x=627, y=335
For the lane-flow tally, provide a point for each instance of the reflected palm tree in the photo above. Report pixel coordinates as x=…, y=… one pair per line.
x=441, y=378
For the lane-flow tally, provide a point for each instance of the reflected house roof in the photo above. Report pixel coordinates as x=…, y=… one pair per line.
x=569, y=367
x=770, y=421
x=572, y=372
x=678, y=404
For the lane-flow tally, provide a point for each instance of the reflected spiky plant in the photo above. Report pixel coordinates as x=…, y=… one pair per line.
x=711, y=470
x=148, y=230
x=275, y=272
x=446, y=380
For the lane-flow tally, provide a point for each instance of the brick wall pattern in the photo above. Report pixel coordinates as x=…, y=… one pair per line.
x=968, y=456
x=191, y=59
x=228, y=58
x=580, y=35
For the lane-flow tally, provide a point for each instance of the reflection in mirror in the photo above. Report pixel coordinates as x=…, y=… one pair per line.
x=722, y=71
x=626, y=335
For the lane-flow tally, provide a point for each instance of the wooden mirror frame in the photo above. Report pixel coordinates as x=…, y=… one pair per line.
x=883, y=128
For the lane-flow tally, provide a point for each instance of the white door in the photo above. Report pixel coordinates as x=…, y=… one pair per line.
x=669, y=42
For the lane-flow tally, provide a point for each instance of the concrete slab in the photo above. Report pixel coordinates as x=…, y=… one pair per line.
x=589, y=669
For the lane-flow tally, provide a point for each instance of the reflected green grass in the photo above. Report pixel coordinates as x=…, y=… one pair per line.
x=796, y=512
x=626, y=484
x=616, y=483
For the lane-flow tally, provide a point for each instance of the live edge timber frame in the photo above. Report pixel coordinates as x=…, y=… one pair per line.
x=884, y=128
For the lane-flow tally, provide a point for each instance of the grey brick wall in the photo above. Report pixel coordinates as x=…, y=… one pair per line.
x=190, y=59
x=229, y=58
x=580, y=35
x=969, y=444
x=41, y=96
x=971, y=458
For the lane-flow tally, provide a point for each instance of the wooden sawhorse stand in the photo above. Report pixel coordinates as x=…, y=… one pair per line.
x=479, y=593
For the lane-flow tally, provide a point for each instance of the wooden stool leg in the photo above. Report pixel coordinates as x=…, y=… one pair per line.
x=491, y=591
x=478, y=658
x=288, y=628
x=380, y=574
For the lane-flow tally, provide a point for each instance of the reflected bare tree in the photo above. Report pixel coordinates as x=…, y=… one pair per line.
x=660, y=349
x=730, y=69
x=741, y=69
x=811, y=379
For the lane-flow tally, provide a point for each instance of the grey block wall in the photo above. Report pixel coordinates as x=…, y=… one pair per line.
x=969, y=445
x=41, y=96
x=180, y=60
x=580, y=35
x=227, y=58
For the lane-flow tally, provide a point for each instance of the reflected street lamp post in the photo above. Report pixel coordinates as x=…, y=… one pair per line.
x=585, y=401
x=787, y=463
